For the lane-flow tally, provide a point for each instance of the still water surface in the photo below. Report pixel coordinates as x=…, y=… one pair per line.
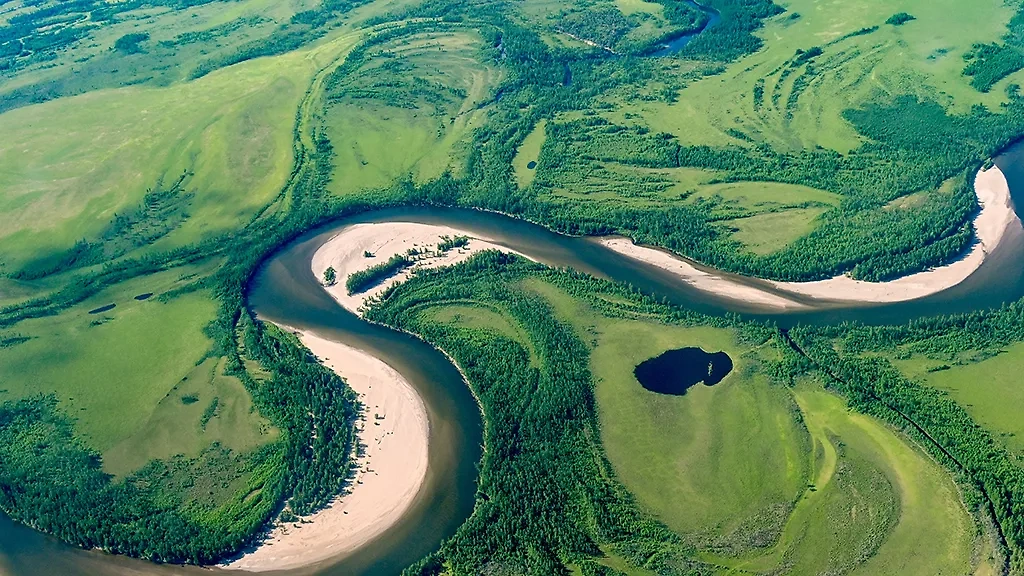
x=285, y=291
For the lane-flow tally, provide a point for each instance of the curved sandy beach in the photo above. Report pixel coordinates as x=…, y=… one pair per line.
x=991, y=223
x=393, y=431
x=344, y=253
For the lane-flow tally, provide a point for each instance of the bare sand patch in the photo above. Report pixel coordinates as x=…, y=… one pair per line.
x=394, y=431
x=345, y=253
x=700, y=279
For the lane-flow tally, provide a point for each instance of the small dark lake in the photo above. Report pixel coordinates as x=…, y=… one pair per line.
x=676, y=371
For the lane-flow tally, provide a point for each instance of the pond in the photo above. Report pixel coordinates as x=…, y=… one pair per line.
x=676, y=371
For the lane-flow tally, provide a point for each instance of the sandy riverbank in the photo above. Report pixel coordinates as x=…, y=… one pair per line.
x=991, y=223
x=345, y=253
x=394, y=432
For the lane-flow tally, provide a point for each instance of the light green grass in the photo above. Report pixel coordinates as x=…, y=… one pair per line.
x=528, y=152
x=67, y=167
x=93, y=63
x=990, y=390
x=923, y=57
x=378, y=140
x=110, y=370
x=933, y=534
x=629, y=7
x=720, y=464
x=119, y=373
x=765, y=216
x=480, y=318
x=755, y=196
x=175, y=425
x=771, y=232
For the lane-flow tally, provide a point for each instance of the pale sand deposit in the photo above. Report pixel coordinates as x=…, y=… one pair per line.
x=345, y=253
x=699, y=279
x=394, y=432
x=992, y=222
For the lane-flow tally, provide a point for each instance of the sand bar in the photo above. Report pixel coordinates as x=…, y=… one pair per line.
x=345, y=253
x=394, y=431
x=991, y=223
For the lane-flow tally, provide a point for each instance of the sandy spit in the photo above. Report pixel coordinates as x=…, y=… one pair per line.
x=992, y=222
x=394, y=431
x=345, y=253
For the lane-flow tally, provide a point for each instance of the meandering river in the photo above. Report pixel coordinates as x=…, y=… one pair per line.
x=285, y=291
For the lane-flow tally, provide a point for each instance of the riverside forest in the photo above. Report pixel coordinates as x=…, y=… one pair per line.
x=660, y=287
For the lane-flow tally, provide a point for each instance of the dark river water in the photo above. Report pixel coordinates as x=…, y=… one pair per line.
x=674, y=45
x=285, y=291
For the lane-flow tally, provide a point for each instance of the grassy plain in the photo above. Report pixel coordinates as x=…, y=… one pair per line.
x=773, y=231
x=121, y=373
x=720, y=465
x=876, y=504
x=409, y=112
x=990, y=390
x=528, y=152
x=67, y=167
x=800, y=110
x=761, y=477
x=179, y=37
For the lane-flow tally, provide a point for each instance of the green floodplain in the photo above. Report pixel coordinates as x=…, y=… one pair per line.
x=167, y=147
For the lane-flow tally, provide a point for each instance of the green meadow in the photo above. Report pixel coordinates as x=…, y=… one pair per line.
x=123, y=372
x=989, y=389
x=922, y=57
x=761, y=477
x=68, y=170
x=408, y=113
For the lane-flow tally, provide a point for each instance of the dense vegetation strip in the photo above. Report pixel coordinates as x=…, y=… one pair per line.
x=363, y=280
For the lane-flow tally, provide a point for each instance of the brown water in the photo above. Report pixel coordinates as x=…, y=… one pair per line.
x=285, y=291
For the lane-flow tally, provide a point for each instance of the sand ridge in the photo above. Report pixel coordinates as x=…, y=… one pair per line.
x=345, y=253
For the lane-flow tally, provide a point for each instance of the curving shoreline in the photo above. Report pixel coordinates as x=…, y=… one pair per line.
x=991, y=224
x=344, y=252
x=393, y=432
